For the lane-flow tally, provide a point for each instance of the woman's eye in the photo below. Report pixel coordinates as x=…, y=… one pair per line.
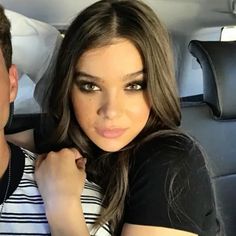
x=134, y=87
x=88, y=87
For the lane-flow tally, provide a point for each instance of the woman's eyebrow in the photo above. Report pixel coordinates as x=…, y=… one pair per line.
x=84, y=74
x=96, y=78
x=133, y=75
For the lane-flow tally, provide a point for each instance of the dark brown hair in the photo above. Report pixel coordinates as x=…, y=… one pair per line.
x=94, y=27
x=5, y=38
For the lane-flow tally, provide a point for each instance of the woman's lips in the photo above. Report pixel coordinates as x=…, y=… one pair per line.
x=111, y=133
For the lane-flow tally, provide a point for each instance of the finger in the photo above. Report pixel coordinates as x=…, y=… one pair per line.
x=77, y=153
x=40, y=158
x=81, y=163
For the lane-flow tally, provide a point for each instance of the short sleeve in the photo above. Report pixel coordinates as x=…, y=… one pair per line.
x=170, y=187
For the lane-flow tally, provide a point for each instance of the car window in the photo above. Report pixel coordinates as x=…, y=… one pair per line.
x=228, y=33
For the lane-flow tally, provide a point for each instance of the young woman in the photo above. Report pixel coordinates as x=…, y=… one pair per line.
x=114, y=98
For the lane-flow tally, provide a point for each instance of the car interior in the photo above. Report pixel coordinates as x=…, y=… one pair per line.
x=212, y=122
x=205, y=72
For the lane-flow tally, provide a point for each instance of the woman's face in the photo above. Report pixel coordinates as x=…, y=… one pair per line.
x=109, y=95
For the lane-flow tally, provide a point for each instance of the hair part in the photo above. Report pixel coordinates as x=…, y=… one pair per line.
x=5, y=38
x=98, y=26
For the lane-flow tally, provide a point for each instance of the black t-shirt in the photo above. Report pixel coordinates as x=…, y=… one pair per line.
x=169, y=186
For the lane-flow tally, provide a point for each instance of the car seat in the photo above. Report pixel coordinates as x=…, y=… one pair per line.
x=212, y=121
x=35, y=45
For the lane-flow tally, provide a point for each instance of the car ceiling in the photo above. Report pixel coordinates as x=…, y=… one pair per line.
x=178, y=15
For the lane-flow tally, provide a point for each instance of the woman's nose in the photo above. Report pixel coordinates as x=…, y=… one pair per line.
x=112, y=106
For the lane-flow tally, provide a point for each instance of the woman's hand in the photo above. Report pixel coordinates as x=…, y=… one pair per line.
x=60, y=177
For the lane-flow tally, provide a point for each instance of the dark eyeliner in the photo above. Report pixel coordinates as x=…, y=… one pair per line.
x=141, y=83
x=82, y=83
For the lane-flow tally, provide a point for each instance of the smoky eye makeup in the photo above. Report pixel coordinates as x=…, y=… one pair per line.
x=136, y=85
x=87, y=86
x=86, y=83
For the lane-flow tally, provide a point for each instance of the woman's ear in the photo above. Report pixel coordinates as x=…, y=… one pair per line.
x=13, y=76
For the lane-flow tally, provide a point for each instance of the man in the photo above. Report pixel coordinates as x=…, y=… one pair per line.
x=16, y=196
x=8, y=90
x=22, y=210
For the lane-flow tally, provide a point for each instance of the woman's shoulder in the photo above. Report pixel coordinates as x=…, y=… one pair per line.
x=168, y=174
x=169, y=147
x=170, y=156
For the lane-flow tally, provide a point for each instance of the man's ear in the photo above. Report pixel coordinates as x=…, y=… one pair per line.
x=13, y=76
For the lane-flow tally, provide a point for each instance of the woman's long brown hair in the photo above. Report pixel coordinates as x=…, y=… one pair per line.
x=95, y=27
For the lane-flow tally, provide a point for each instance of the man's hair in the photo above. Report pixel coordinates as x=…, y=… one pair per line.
x=5, y=38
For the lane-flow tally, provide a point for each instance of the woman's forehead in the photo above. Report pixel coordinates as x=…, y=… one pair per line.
x=120, y=58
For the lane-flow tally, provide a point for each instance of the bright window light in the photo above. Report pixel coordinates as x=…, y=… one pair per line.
x=228, y=33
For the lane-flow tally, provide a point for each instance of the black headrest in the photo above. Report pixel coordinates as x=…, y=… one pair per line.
x=218, y=62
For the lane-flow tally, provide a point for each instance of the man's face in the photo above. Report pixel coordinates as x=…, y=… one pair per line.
x=8, y=90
